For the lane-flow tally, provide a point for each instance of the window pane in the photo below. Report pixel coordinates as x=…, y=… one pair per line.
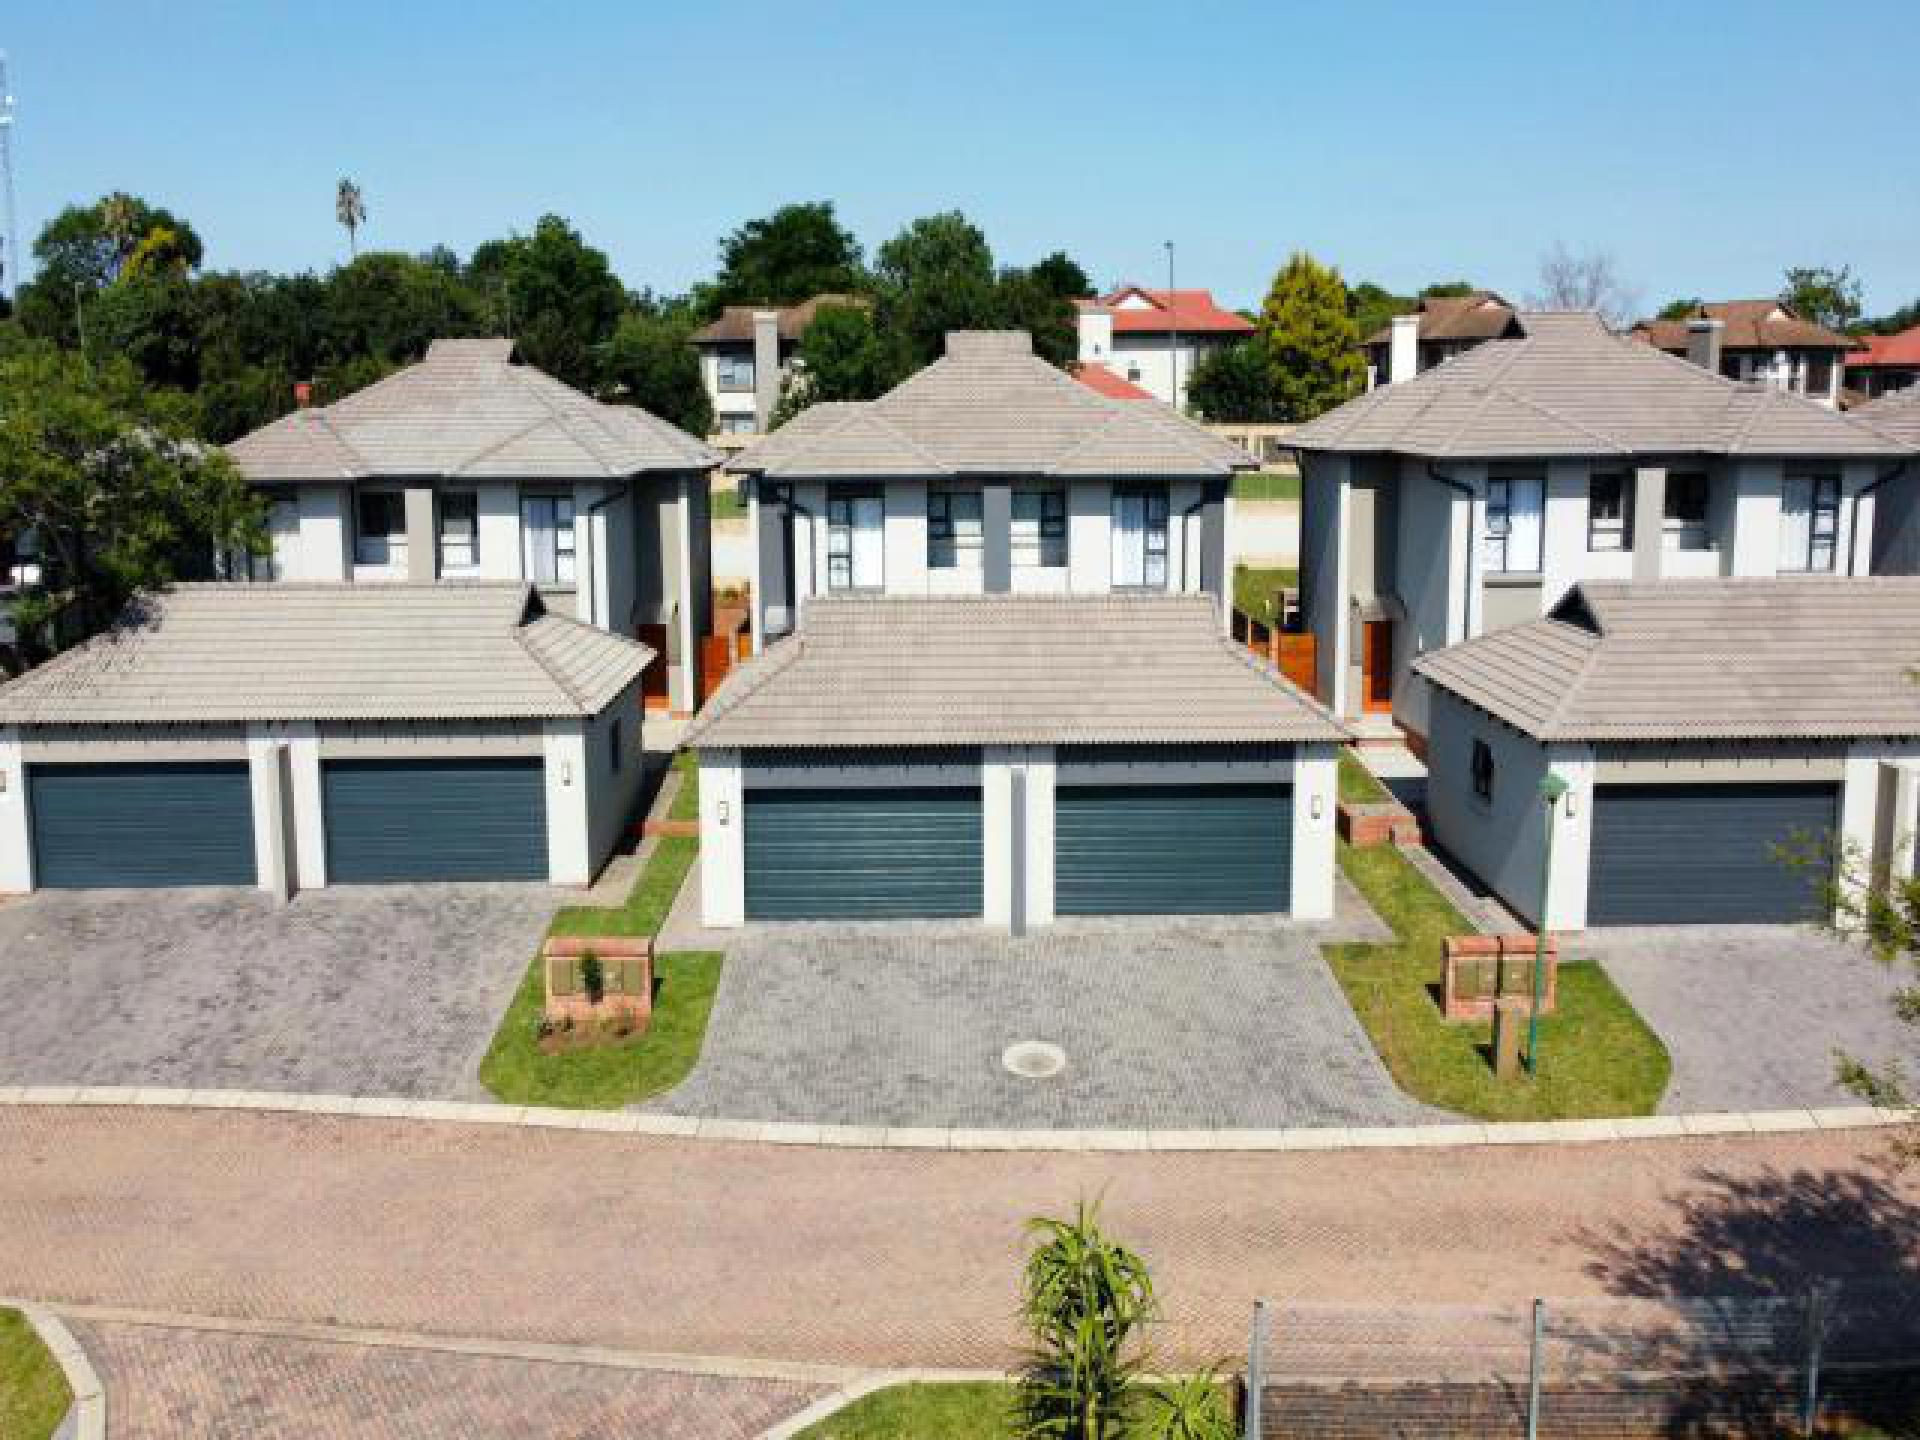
x=459, y=529
x=382, y=531
x=546, y=529
x=954, y=531
x=1140, y=538
x=1607, y=511
x=1039, y=527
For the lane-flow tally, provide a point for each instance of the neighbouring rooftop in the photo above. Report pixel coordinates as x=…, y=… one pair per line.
x=735, y=324
x=1747, y=325
x=1142, y=310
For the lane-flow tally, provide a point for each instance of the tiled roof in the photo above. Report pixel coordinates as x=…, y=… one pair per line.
x=1008, y=670
x=1103, y=380
x=1482, y=315
x=1902, y=349
x=1728, y=659
x=1191, y=312
x=990, y=406
x=1572, y=388
x=1750, y=325
x=209, y=653
x=1897, y=415
x=736, y=321
x=466, y=410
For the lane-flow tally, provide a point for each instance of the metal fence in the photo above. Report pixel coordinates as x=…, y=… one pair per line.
x=1773, y=1365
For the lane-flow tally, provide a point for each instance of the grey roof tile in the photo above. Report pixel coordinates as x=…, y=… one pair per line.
x=1896, y=415
x=451, y=650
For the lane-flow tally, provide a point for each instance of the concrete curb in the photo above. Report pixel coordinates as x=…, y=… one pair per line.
x=874, y=1137
x=864, y=1386
x=88, y=1416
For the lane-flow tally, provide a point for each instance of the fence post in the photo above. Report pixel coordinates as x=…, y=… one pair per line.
x=1816, y=1339
x=1534, y=1363
x=1256, y=1371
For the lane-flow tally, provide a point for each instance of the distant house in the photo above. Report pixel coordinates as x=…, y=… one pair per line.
x=745, y=357
x=1762, y=341
x=1883, y=364
x=1896, y=533
x=1154, y=338
x=1104, y=380
x=1441, y=327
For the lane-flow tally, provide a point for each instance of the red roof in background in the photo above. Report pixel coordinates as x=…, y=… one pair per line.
x=1109, y=383
x=1187, y=310
x=1901, y=349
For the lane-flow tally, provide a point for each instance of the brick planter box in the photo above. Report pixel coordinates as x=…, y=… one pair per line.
x=1478, y=970
x=626, y=964
x=1378, y=823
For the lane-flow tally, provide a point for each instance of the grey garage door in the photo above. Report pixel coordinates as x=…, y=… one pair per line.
x=1172, y=849
x=1703, y=854
x=464, y=819
x=141, y=825
x=863, y=854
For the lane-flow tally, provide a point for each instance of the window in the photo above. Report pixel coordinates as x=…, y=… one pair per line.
x=1809, y=522
x=1686, y=513
x=1133, y=371
x=1819, y=373
x=459, y=530
x=953, y=530
x=616, y=746
x=1610, y=511
x=380, y=533
x=738, y=424
x=736, y=372
x=1040, y=527
x=546, y=538
x=283, y=532
x=1140, y=539
x=1482, y=770
x=856, y=540
x=1512, y=539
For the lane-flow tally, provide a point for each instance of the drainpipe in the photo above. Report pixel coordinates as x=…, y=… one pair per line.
x=1466, y=560
x=813, y=558
x=593, y=566
x=1186, y=523
x=1853, y=520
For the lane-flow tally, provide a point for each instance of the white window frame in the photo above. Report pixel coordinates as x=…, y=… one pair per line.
x=1513, y=531
x=386, y=551
x=1039, y=538
x=956, y=528
x=1810, y=524
x=857, y=540
x=728, y=370
x=458, y=554
x=1614, y=533
x=542, y=513
x=1140, y=547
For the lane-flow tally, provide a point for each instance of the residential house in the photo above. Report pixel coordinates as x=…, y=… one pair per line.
x=1155, y=338
x=1698, y=727
x=1883, y=364
x=1896, y=533
x=1762, y=341
x=1474, y=496
x=1105, y=380
x=1437, y=329
x=746, y=357
x=1009, y=694
x=314, y=733
x=469, y=467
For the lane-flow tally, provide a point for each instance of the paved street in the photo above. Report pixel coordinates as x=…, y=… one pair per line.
x=883, y=1257
x=1164, y=1024
x=1753, y=1014
x=357, y=990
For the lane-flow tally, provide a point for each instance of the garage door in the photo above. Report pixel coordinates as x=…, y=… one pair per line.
x=467, y=819
x=141, y=825
x=1702, y=854
x=863, y=854
x=1172, y=849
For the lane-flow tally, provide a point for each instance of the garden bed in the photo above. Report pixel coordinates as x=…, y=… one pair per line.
x=34, y=1396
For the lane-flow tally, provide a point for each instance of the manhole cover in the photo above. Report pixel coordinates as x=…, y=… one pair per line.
x=1034, y=1059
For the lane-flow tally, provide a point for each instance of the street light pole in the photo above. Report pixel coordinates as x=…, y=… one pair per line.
x=1551, y=789
x=1173, y=334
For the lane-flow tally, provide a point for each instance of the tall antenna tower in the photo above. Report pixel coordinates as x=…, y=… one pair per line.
x=10, y=234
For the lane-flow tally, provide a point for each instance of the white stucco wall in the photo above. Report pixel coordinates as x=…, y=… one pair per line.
x=569, y=858
x=1316, y=791
x=1089, y=543
x=16, y=824
x=723, y=849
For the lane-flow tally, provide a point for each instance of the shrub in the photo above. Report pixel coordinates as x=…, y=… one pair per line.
x=1087, y=1301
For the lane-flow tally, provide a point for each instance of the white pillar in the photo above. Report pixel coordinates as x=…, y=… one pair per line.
x=272, y=834
x=1042, y=774
x=16, y=824
x=1572, y=836
x=565, y=749
x=996, y=820
x=723, y=846
x=1316, y=793
x=1755, y=544
x=309, y=819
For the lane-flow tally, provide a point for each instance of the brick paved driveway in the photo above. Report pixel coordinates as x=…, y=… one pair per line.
x=227, y=989
x=1752, y=1014
x=1167, y=1025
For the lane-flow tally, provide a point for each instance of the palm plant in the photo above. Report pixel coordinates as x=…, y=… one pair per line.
x=1188, y=1407
x=350, y=209
x=1087, y=1301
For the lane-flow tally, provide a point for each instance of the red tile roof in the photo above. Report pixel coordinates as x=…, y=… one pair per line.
x=1103, y=381
x=1189, y=311
x=1902, y=350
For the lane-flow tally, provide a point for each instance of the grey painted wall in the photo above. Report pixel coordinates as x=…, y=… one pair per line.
x=1322, y=478
x=1501, y=841
x=1896, y=524
x=775, y=544
x=996, y=537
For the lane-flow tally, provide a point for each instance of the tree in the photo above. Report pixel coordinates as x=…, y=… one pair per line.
x=1824, y=295
x=649, y=363
x=1087, y=1301
x=1684, y=308
x=118, y=497
x=792, y=255
x=350, y=209
x=1029, y=300
x=1373, y=306
x=1062, y=276
x=86, y=248
x=1235, y=385
x=842, y=356
x=387, y=307
x=1589, y=281
x=1312, y=343
x=936, y=275
x=1894, y=321
x=559, y=297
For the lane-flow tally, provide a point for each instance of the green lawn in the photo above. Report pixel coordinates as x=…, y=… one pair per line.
x=1253, y=589
x=1267, y=485
x=1357, y=783
x=725, y=504
x=974, y=1410
x=686, y=803
x=1598, y=1058
x=33, y=1392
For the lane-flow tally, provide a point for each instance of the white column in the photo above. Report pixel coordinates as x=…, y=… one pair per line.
x=568, y=859
x=272, y=833
x=1563, y=549
x=1856, y=518
x=309, y=819
x=1316, y=792
x=1572, y=836
x=1042, y=774
x=756, y=593
x=1755, y=543
x=723, y=843
x=996, y=820
x=904, y=539
x=1471, y=514
x=16, y=824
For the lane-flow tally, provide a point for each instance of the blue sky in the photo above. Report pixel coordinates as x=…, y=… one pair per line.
x=1707, y=145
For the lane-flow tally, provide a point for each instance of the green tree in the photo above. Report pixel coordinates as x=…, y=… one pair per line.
x=1372, y=306
x=386, y=307
x=1894, y=321
x=1087, y=1302
x=792, y=255
x=842, y=356
x=1062, y=275
x=1028, y=300
x=350, y=209
x=116, y=493
x=649, y=363
x=1448, y=290
x=86, y=248
x=936, y=275
x=1312, y=342
x=1236, y=385
x=556, y=295
x=1684, y=308
x=1825, y=295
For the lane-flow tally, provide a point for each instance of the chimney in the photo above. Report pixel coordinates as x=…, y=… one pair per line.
x=303, y=393
x=1704, y=335
x=1403, y=349
x=766, y=366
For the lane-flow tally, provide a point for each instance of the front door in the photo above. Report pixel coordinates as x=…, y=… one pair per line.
x=1376, y=666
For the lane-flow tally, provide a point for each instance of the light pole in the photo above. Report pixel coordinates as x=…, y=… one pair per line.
x=1551, y=789
x=1173, y=334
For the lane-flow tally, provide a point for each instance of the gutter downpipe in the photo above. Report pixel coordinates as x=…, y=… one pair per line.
x=1853, y=520
x=1466, y=568
x=813, y=559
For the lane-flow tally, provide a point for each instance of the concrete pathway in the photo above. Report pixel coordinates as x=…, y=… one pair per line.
x=883, y=1258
